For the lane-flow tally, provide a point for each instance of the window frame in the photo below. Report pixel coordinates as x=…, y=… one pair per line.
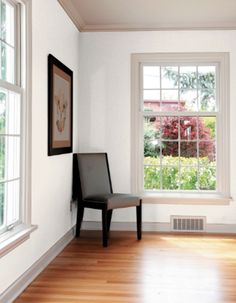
x=17, y=88
x=222, y=195
x=21, y=230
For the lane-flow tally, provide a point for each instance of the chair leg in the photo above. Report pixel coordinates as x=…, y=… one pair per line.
x=109, y=216
x=104, y=227
x=80, y=214
x=139, y=220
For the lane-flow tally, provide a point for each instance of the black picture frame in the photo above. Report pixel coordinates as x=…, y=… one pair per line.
x=60, y=107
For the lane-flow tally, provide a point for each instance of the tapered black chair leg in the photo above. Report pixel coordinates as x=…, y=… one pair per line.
x=80, y=214
x=139, y=220
x=104, y=227
x=109, y=216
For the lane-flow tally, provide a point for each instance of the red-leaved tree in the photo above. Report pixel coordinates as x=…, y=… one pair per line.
x=189, y=128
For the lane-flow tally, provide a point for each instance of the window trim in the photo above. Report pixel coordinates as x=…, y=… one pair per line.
x=21, y=232
x=222, y=60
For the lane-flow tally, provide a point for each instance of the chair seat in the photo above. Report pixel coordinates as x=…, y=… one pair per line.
x=115, y=200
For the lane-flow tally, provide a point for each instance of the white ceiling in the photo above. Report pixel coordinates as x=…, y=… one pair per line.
x=119, y=15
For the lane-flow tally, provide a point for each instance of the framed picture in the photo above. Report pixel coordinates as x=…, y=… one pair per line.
x=60, y=107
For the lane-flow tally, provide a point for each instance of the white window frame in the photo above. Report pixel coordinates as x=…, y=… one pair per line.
x=221, y=60
x=20, y=231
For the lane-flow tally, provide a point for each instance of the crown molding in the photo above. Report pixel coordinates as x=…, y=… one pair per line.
x=70, y=9
x=79, y=22
x=126, y=28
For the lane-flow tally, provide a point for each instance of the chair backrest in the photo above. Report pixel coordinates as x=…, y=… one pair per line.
x=94, y=174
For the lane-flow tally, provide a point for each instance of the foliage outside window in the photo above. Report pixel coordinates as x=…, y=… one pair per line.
x=179, y=106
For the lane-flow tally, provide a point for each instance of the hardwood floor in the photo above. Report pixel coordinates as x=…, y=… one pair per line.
x=160, y=268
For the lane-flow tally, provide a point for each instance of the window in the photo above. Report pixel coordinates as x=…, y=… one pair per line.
x=14, y=117
x=180, y=123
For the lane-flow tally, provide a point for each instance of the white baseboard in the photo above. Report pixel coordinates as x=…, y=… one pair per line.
x=158, y=227
x=127, y=226
x=12, y=292
x=221, y=228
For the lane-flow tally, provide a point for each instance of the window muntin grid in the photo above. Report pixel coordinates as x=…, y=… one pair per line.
x=202, y=105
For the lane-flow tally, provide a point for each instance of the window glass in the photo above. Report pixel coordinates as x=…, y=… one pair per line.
x=10, y=118
x=7, y=41
x=180, y=138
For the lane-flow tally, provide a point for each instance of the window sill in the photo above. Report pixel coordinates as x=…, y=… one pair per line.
x=11, y=239
x=184, y=198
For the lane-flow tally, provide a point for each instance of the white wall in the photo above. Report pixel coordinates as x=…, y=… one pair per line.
x=101, y=122
x=104, y=114
x=53, y=32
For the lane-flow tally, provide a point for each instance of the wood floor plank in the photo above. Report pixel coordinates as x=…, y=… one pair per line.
x=163, y=268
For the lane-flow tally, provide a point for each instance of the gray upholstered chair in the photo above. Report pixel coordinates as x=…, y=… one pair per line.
x=92, y=188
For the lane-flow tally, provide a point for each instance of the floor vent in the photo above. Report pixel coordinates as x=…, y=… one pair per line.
x=188, y=223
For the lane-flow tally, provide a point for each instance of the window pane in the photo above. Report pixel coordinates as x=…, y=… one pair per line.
x=170, y=100
x=188, y=153
x=207, y=149
x=170, y=95
x=151, y=100
x=7, y=63
x=13, y=201
x=170, y=177
x=188, y=128
x=207, y=128
x=2, y=194
x=7, y=23
x=2, y=111
x=207, y=177
x=153, y=161
x=207, y=84
x=170, y=128
x=189, y=178
x=169, y=106
x=10, y=110
x=14, y=112
x=2, y=158
x=9, y=157
x=188, y=100
x=152, y=178
x=151, y=77
x=169, y=77
x=207, y=100
x=170, y=148
x=13, y=158
x=188, y=77
x=152, y=137
x=206, y=77
x=170, y=161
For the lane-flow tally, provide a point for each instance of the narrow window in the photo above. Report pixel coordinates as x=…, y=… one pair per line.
x=11, y=99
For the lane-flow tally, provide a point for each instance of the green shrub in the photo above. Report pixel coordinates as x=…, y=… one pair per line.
x=171, y=178
x=150, y=134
